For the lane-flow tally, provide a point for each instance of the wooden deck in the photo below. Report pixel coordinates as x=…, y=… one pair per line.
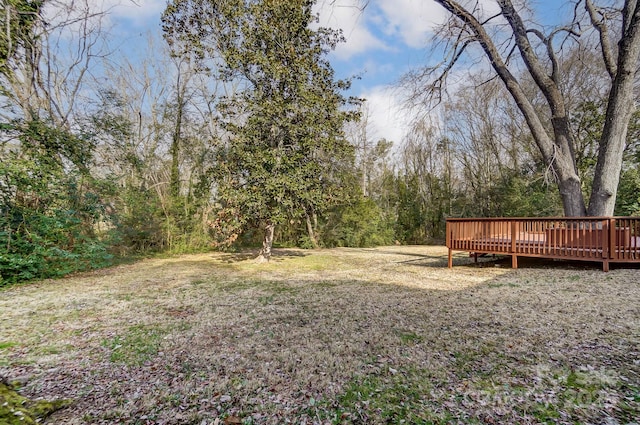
x=599, y=239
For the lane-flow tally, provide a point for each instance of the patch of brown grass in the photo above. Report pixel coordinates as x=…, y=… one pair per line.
x=304, y=338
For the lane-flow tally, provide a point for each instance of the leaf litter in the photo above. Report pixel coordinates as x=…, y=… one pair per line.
x=329, y=336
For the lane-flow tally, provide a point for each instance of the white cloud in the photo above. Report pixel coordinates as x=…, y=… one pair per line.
x=138, y=12
x=349, y=16
x=72, y=14
x=489, y=8
x=414, y=20
x=411, y=20
x=387, y=117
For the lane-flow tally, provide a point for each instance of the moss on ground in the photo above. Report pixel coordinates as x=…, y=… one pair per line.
x=16, y=409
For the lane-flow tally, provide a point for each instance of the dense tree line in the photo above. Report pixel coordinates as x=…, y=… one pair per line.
x=235, y=133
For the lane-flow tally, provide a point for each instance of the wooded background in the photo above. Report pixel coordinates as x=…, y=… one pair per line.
x=234, y=130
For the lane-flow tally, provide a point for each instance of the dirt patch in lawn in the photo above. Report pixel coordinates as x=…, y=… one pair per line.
x=329, y=336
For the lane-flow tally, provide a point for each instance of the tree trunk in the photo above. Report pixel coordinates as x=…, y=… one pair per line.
x=174, y=150
x=265, y=253
x=311, y=232
x=174, y=178
x=620, y=107
x=557, y=150
x=571, y=195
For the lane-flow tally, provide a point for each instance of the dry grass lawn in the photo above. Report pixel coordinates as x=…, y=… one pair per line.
x=355, y=336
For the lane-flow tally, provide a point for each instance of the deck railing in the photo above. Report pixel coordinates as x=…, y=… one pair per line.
x=605, y=239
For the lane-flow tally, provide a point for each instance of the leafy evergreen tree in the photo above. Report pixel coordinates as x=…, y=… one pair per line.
x=49, y=204
x=285, y=150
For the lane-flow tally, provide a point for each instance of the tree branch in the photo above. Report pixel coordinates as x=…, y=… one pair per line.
x=541, y=137
x=537, y=71
x=605, y=41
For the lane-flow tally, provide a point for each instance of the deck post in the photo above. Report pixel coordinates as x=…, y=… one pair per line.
x=612, y=245
x=449, y=242
x=606, y=245
x=605, y=239
x=612, y=239
x=514, y=257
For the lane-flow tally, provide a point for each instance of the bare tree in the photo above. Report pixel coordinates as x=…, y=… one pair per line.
x=425, y=158
x=360, y=135
x=45, y=74
x=155, y=124
x=509, y=35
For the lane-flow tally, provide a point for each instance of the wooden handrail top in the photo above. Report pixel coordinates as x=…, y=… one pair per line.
x=585, y=218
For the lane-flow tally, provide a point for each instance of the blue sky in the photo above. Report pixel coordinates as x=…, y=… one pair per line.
x=384, y=41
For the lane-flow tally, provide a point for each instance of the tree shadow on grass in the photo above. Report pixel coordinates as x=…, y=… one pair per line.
x=278, y=254
x=440, y=261
x=550, y=263
x=504, y=261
